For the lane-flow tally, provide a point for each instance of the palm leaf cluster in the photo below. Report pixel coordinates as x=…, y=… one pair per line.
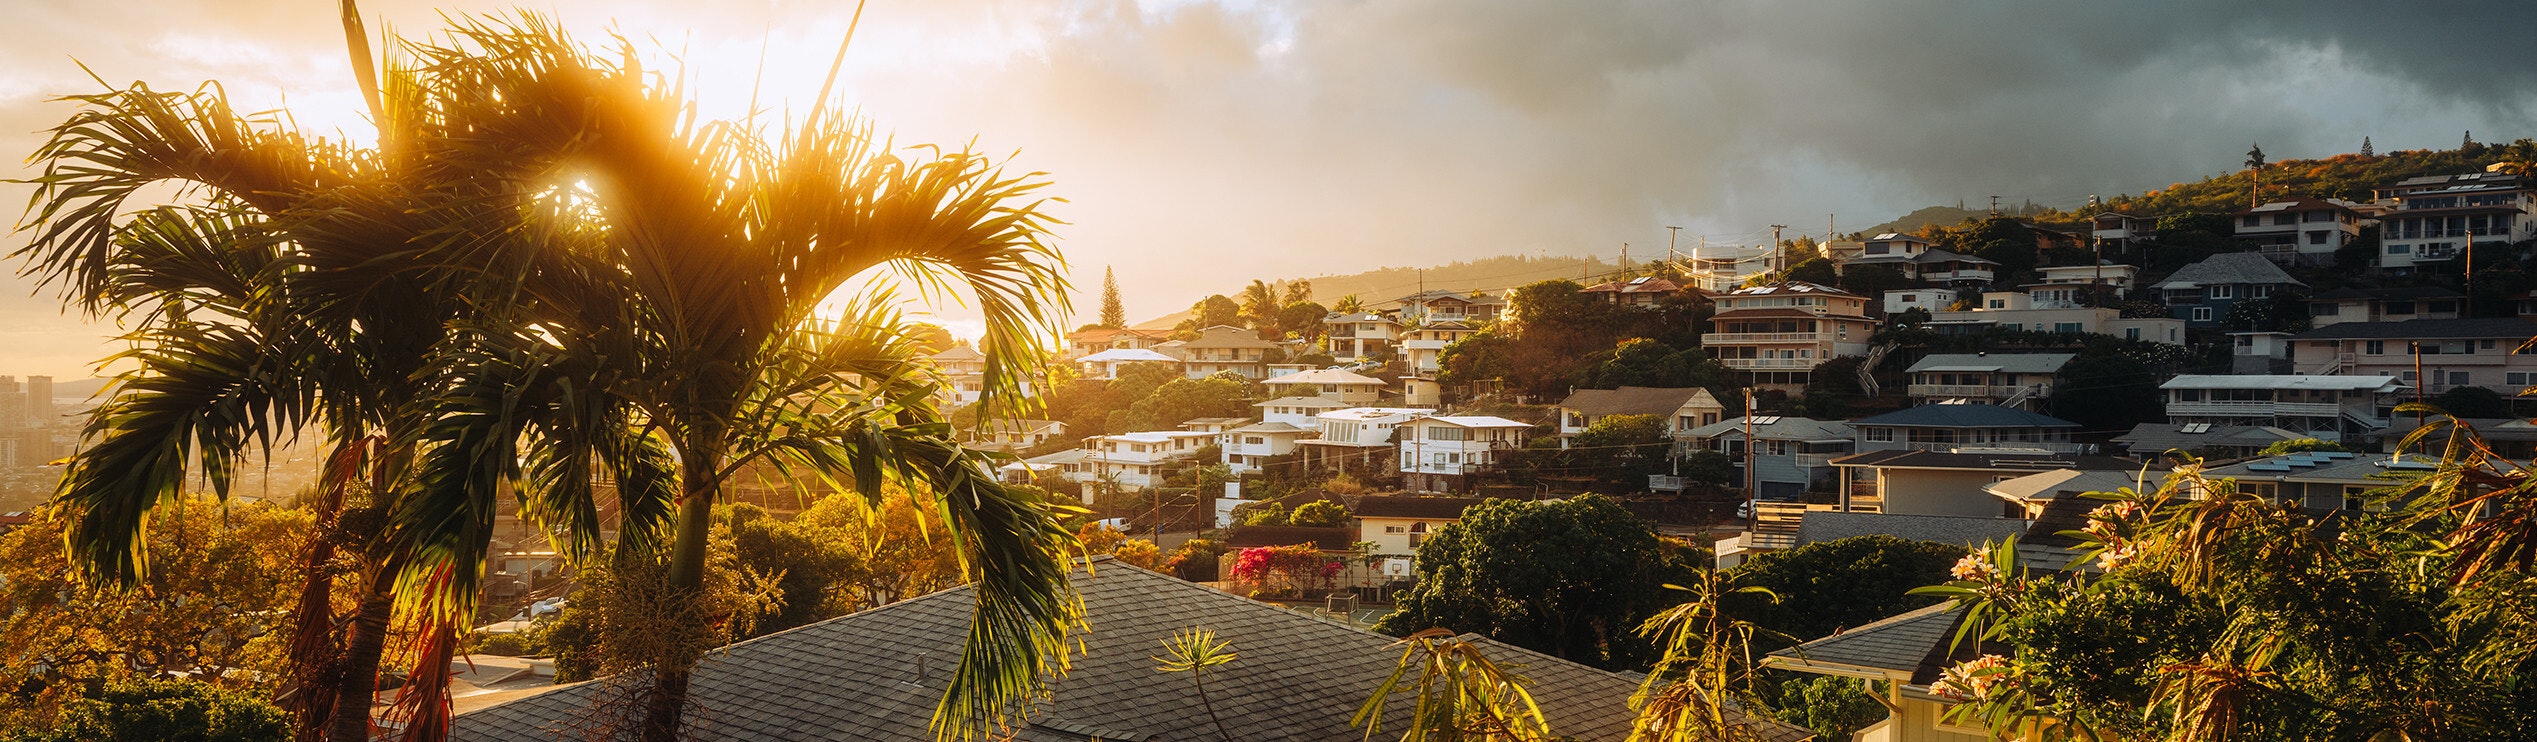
x=547, y=274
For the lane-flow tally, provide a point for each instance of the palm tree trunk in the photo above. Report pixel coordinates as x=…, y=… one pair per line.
x=357, y=686
x=684, y=583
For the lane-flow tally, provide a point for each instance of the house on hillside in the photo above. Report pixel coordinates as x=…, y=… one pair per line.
x=1449, y=453
x=2019, y=380
x=1902, y=659
x=1448, y=306
x=1398, y=524
x=2452, y=352
x=2393, y=304
x=1138, y=461
x=2149, y=440
x=1016, y=435
x=1301, y=412
x=1346, y=387
x=2202, y=293
x=1917, y=260
x=1106, y=364
x=1777, y=334
x=1092, y=340
x=1909, y=482
x=2438, y=217
x=1681, y=408
x=1949, y=427
x=1790, y=455
x=2117, y=232
x=1423, y=347
x=964, y=371
x=1644, y=291
x=2072, y=286
x=1356, y=437
x=1359, y=336
x=1932, y=301
x=2324, y=480
x=1246, y=447
x=2304, y=231
x=2011, y=310
x=878, y=674
x=1222, y=348
x=2332, y=407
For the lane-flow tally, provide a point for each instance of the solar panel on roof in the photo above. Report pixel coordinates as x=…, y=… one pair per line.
x=2338, y=455
x=2267, y=467
x=1766, y=419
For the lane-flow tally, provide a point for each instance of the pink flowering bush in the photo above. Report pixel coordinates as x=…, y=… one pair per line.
x=1284, y=570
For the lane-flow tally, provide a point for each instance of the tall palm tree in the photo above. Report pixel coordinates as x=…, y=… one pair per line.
x=682, y=324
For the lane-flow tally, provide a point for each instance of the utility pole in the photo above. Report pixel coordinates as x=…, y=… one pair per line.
x=1775, y=253
x=1625, y=258
x=1752, y=501
x=1995, y=205
x=2468, y=310
x=1672, y=235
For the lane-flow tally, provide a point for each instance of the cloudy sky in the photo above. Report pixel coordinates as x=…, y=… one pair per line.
x=1202, y=144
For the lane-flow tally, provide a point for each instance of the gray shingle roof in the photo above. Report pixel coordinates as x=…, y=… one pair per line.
x=2487, y=328
x=1783, y=428
x=1952, y=530
x=1963, y=416
x=1297, y=677
x=2153, y=438
x=1630, y=400
x=1908, y=643
x=2396, y=293
x=2229, y=268
x=2013, y=363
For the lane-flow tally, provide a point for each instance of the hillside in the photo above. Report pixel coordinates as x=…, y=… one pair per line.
x=1385, y=284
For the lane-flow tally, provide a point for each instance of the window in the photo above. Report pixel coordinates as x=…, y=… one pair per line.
x=1396, y=529
x=2070, y=327
x=2374, y=347
x=2399, y=307
x=1443, y=433
x=2281, y=219
x=1254, y=440
x=2131, y=333
x=2408, y=376
x=2324, y=309
x=2400, y=249
x=2316, y=238
x=2251, y=221
x=2515, y=378
x=2458, y=378
x=1880, y=434
x=2224, y=291
x=2201, y=314
x=1999, y=303
x=2259, y=291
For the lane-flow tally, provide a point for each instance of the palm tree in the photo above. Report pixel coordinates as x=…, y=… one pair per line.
x=683, y=325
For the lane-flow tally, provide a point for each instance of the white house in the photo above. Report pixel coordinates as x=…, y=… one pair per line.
x=2300, y=230
x=1332, y=384
x=1423, y=347
x=1106, y=364
x=2063, y=286
x=1359, y=436
x=1135, y=461
x=1932, y=301
x=2438, y=216
x=1681, y=408
x=1358, y=336
x=1246, y=446
x=2005, y=379
x=1445, y=453
x=1015, y=435
x=2320, y=405
x=1301, y=412
x=1397, y=524
x=1790, y=455
x=1222, y=348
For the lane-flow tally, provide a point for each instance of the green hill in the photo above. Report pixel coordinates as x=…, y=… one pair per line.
x=2349, y=176
x=1494, y=274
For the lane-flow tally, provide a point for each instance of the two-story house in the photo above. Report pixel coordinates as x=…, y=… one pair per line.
x=964, y=371
x=2067, y=286
x=2321, y=406
x=2452, y=352
x=2438, y=216
x=1016, y=435
x=1247, y=446
x=1790, y=455
x=2006, y=379
x=2202, y=293
x=1359, y=336
x=1356, y=437
x=1423, y=347
x=1397, y=524
x=2011, y=310
x=1442, y=306
x=1923, y=482
x=1722, y=269
x=2306, y=231
x=1219, y=349
x=2327, y=480
x=1949, y=427
x=1299, y=411
x=1778, y=333
x=1644, y=291
x=1137, y=461
x=2393, y=304
x=1448, y=453
x=1349, y=388
x=2117, y=232
x=1933, y=301
x=1681, y=408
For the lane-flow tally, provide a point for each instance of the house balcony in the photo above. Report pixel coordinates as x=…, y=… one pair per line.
x=1943, y=447
x=1770, y=364
x=1958, y=390
x=1968, y=274
x=1729, y=338
x=2253, y=408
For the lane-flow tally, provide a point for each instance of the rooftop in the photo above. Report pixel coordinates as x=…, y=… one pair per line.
x=1791, y=288
x=2051, y=484
x=2013, y=363
x=2329, y=466
x=1126, y=355
x=2152, y=438
x=1778, y=428
x=1952, y=530
x=1328, y=404
x=877, y=674
x=2283, y=382
x=2488, y=328
x=1910, y=646
x=1994, y=460
x=1962, y=416
x=1326, y=376
x=1476, y=421
x=1403, y=506
x=2398, y=293
x=1633, y=400
x=1374, y=413
x=2228, y=268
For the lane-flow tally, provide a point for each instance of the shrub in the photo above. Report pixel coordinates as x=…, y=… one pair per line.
x=173, y=710
x=1284, y=570
x=1320, y=513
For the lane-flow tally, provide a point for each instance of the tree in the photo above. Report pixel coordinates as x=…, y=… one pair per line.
x=1709, y=467
x=1651, y=362
x=1114, y=314
x=1302, y=320
x=1459, y=695
x=1348, y=304
x=170, y=710
x=1319, y=513
x=1182, y=400
x=2299, y=445
x=2106, y=392
x=1193, y=651
x=1827, y=586
x=1569, y=578
x=2472, y=402
x=696, y=295
x=2366, y=149
x=1814, y=270
x=1260, y=307
x=218, y=578
x=1214, y=310
x=1834, y=707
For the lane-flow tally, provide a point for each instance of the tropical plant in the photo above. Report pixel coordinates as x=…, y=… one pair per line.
x=689, y=317
x=1458, y=695
x=1568, y=578
x=1706, y=673
x=1193, y=651
x=177, y=710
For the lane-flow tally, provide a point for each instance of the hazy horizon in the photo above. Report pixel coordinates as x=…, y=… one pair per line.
x=1203, y=144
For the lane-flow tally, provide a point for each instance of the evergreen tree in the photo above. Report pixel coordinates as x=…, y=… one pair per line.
x=1113, y=314
x=2366, y=151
